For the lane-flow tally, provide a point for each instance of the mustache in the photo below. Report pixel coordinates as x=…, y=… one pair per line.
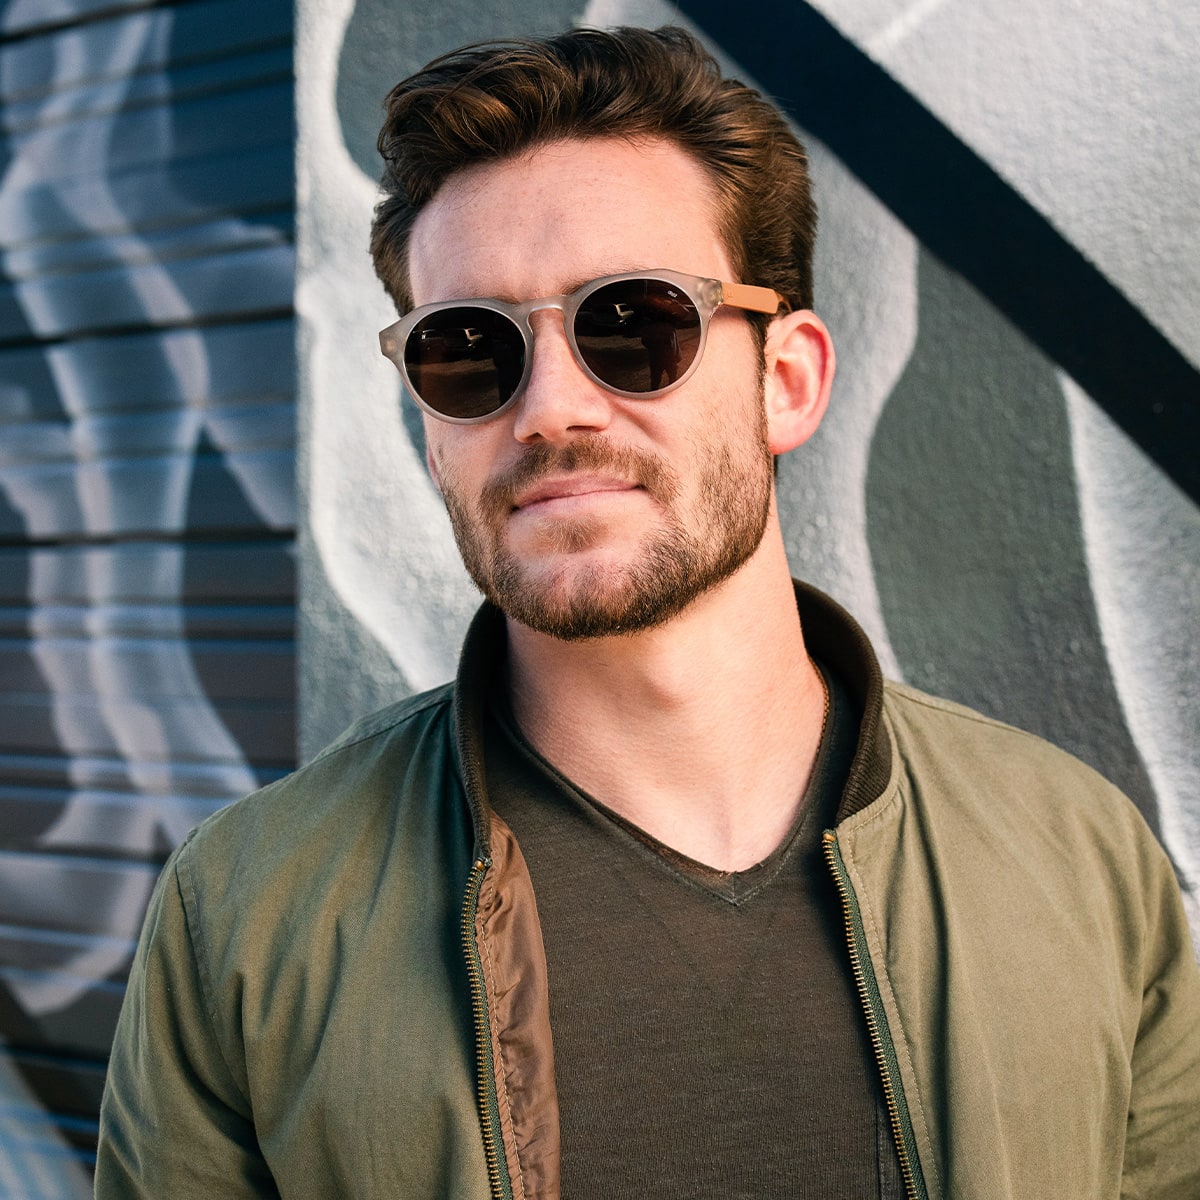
x=589, y=452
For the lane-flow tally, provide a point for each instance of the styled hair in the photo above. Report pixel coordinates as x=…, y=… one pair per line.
x=494, y=100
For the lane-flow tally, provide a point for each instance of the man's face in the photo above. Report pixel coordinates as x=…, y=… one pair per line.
x=578, y=512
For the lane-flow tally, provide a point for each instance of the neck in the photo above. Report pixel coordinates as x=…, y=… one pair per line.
x=701, y=731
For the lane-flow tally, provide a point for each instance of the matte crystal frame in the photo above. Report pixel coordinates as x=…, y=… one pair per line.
x=706, y=294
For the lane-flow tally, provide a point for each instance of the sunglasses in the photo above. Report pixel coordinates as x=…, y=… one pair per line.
x=637, y=335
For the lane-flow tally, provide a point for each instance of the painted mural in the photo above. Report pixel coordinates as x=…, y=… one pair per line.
x=147, y=433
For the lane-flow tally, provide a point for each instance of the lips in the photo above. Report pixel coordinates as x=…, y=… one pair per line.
x=568, y=487
x=590, y=464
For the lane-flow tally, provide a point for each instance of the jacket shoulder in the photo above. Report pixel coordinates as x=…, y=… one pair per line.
x=932, y=730
x=392, y=720
x=387, y=789
x=991, y=780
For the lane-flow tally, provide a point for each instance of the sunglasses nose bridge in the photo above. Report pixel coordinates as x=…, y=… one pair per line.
x=554, y=400
x=547, y=304
x=542, y=305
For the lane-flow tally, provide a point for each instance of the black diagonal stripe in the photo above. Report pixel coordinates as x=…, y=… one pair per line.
x=957, y=205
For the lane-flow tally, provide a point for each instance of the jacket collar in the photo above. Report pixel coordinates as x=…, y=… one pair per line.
x=832, y=636
x=836, y=640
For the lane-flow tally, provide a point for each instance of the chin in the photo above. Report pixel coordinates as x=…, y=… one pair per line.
x=578, y=601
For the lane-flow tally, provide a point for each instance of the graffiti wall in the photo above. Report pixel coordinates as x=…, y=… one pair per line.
x=1005, y=489
x=147, y=431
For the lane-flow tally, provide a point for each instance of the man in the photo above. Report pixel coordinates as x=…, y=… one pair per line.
x=668, y=894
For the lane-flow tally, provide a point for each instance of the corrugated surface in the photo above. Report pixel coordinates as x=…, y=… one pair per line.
x=146, y=501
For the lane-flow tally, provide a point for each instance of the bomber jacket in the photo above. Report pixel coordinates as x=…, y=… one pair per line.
x=341, y=990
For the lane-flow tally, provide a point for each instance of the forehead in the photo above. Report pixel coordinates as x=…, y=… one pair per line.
x=566, y=212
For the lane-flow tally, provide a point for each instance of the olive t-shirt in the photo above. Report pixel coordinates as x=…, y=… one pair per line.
x=708, y=1038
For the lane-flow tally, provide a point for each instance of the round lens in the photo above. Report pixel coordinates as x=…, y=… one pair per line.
x=464, y=362
x=638, y=335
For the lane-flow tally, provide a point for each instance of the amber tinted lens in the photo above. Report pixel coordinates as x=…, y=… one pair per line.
x=465, y=362
x=638, y=335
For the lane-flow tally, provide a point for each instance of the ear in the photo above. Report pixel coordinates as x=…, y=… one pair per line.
x=799, y=373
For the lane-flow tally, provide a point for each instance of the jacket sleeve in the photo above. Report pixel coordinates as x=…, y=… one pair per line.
x=1162, y=1147
x=175, y=1119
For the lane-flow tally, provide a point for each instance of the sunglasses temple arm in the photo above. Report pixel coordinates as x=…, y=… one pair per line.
x=753, y=299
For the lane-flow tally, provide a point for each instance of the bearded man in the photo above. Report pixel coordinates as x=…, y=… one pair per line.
x=668, y=894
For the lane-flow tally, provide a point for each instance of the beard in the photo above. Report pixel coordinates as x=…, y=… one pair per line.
x=673, y=566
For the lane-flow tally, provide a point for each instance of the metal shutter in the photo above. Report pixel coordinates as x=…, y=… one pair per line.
x=147, y=506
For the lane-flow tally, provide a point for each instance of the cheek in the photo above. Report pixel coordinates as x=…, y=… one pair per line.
x=432, y=454
x=734, y=421
x=460, y=458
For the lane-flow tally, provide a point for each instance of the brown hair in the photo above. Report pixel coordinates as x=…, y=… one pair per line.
x=493, y=100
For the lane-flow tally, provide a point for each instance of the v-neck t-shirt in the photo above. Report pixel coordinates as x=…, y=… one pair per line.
x=708, y=1036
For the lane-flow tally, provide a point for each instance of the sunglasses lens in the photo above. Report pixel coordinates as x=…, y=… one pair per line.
x=465, y=362
x=638, y=335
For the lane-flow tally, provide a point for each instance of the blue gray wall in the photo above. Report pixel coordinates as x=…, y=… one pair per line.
x=1005, y=489
x=147, y=507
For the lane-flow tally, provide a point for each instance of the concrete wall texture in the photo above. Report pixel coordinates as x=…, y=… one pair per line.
x=1004, y=490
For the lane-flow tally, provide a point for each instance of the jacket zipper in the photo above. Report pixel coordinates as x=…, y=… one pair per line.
x=489, y=1104
x=877, y=1025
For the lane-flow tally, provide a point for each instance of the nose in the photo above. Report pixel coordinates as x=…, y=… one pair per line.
x=560, y=401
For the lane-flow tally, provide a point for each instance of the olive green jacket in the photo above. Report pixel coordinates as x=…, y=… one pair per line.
x=341, y=989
